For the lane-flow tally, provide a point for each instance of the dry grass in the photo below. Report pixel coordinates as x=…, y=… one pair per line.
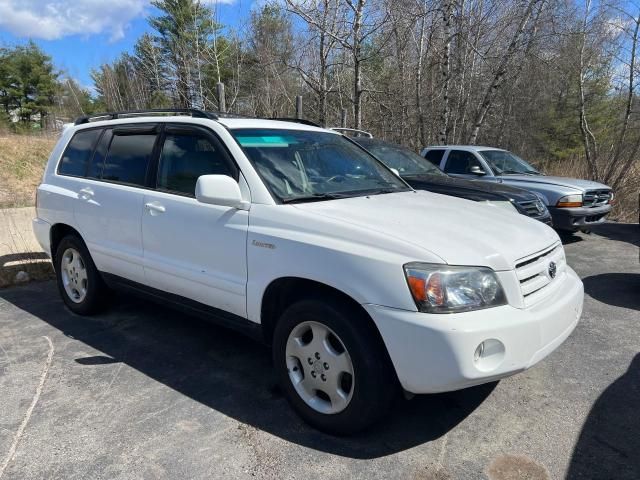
x=627, y=195
x=22, y=161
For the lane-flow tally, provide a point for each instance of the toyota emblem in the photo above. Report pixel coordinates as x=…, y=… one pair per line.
x=552, y=269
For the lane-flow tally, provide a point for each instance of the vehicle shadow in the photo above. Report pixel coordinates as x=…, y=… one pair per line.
x=622, y=232
x=567, y=238
x=231, y=373
x=609, y=443
x=617, y=289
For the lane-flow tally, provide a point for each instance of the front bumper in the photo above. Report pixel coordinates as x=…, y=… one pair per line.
x=579, y=218
x=437, y=353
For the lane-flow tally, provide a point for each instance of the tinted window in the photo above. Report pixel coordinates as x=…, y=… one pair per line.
x=400, y=158
x=186, y=157
x=434, y=156
x=97, y=162
x=128, y=158
x=78, y=152
x=461, y=162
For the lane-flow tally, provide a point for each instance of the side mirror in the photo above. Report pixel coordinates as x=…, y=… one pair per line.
x=220, y=190
x=395, y=170
x=477, y=170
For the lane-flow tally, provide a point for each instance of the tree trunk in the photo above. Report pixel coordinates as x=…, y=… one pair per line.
x=498, y=78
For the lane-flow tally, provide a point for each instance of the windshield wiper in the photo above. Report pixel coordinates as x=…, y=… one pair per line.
x=315, y=197
x=379, y=191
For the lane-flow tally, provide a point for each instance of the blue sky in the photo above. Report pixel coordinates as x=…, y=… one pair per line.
x=82, y=34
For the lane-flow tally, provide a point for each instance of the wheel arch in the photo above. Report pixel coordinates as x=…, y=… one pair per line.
x=57, y=232
x=284, y=291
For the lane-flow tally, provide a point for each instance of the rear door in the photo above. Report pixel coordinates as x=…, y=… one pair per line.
x=110, y=199
x=192, y=249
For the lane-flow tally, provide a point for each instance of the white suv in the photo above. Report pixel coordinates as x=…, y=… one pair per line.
x=296, y=235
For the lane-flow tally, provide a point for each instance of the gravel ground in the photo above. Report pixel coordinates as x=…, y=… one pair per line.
x=145, y=392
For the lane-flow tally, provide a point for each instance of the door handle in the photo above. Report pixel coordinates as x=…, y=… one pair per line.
x=85, y=193
x=154, y=208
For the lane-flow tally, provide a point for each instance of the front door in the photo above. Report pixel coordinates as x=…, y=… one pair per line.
x=464, y=164
x=192, y=249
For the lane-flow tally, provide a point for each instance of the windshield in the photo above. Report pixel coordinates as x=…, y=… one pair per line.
x=302, y=165
x=508, y=163
x=400, y=158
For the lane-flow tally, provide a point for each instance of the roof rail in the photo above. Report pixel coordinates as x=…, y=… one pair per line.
x=356, y=132
x=128, y=113
x=296, y=120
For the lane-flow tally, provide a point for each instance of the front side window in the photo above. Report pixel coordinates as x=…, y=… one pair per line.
x=128, y=157
x=304, y=165
x=78, y=152
x=461, y=162
x=402, y=159
x=503, y=162
x=186, y=157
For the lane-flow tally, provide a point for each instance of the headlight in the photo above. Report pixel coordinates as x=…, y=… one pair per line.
x=570, y=201
x=502, y=204
x=446, y=289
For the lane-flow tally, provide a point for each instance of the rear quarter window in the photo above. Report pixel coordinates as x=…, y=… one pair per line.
x=78, y=153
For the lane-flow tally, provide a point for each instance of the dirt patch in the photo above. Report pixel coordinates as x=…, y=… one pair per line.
x=516, y=467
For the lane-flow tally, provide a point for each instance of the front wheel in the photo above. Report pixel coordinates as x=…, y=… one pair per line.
x=332, y=366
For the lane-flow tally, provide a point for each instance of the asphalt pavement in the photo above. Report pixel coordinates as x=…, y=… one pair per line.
x=145, y=392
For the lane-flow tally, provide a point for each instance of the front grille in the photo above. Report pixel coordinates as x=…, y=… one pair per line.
x=533, y=208
x=596, y=198
x=533, y=272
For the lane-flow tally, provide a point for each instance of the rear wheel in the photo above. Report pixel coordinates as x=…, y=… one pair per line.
x=332, y=366
x=79, y=282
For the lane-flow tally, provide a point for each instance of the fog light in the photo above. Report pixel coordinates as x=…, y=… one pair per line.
x=489, y=355
x=478, y=353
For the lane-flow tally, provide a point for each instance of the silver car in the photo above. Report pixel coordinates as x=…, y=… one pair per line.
x=574, y=204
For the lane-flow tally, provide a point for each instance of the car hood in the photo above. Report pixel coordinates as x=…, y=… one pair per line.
x=458, y=231
x=576, y=183
x=475, y=190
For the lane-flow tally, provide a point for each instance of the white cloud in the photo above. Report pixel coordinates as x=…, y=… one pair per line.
x=52, y=19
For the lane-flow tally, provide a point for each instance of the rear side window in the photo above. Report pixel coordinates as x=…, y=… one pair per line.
x=78, y=152
x=128, y=158
x=184, y=158
x=434, y=156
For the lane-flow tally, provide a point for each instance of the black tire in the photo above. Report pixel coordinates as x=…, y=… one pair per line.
x=375, y=385
x=96, y=290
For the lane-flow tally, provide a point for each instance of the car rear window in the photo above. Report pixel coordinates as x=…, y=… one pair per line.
x=78, y=152
x=128, y=158
x=434, y=156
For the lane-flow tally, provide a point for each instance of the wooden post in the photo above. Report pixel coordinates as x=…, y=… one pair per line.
x=222, y=105
x=298, y=107
x=343, y=120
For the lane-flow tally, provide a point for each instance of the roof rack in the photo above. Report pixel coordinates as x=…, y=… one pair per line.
x=354, y=131
x=296, y=120
x=114, y=115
